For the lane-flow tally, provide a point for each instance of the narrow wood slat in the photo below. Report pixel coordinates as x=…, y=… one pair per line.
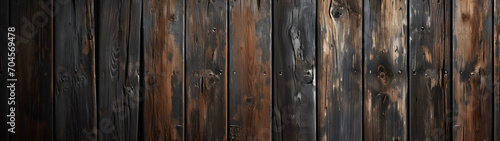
x=340, y=70
x=385, y=70
x=250, y=69
x=118, y=54
x=294, y=73
x=163, y=30
x=496, y=71
x=4, y=108
x=74, y=45
x=472, y=69
x=34, y=69
x=430, y=65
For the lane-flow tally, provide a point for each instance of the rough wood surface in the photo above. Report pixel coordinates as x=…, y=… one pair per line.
x=163, y=25
x=4, y=107
x=385, y=70
x=472, y=69
x=496, y=67
x=74, y=40
x=118, y=55
x=34, y=70
x=206, y=70
x=294, y=70
x=250, y=70
x=340, y=70
x=430, y=64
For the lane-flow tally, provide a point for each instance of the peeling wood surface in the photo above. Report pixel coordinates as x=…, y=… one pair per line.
x=74, y=71
x=118, y=68
x=472, y=69
x=163, y=31
x=340, y=70
x=250, y=70
x=430, y=81
x=294, y=70
x=206, y=70
x=385, y=70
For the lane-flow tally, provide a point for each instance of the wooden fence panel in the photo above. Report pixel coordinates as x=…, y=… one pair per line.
x=74, y=44
x=250, y=69
x=472, y=69
x=206, y=70
x=385, y=70
x=429, y=61
x=294, y=73
x=118, y=55
x=34, y=69
x=340, y=70
x=163, y=25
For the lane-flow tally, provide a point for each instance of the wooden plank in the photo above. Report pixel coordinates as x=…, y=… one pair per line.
x=163, y=24
x=74, y=44
x=430, y=64
x=472, y=69
x=294, y=74
x=206, y=70
x=250, y=69
x=4, y=108
x=119, y=45
x=340, y=65
x=385, y=70
x=496, y=95
x=34, y=54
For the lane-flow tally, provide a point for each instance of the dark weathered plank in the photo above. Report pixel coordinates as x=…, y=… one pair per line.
x=206, y=70
x=74, y=44
x=340, y=65
x=472, y=69
x=430, y=64
x=4, y=108
x=34, y=67
x=385, y=70
x=294, y=75
x=163, y=25
x=496, y=95
x=118, y=52
x=250, y=69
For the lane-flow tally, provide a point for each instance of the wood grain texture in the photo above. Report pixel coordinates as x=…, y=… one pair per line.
x=294, y=73
x=163, y=23
x=206, y=70
x=385, y=70
x=118, y=54
x=34, y=69
x=472, y=69
x=250, y=69
x=496, y=67
x=340, y=65
x=4, y=107
x=430, y=81
x=75, y=101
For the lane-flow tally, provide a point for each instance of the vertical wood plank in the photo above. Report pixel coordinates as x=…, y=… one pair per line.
x=34, y=69
x=206, y=70
x=496, y=95
x=163, y=30
x=75, y=111
x=472, y=69
x=385, y=70
x=4, y=108
x=340, y=65
x=294, y=74
x=118, y=54
x=250, y=69
x=430, y=64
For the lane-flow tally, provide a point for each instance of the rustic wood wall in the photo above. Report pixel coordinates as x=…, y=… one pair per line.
x=253, y=69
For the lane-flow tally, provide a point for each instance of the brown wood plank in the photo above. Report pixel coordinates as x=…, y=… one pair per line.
x=250, y=69
x=340, y=66
x=385, y=70
x=206, y=70
x=430, y=64
x=472, y=69
x=119, y=45
x=163, y=30
x=496, y=95
x=74, y=44
x=34, y=54
x=294, y=73
x=4, y=108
